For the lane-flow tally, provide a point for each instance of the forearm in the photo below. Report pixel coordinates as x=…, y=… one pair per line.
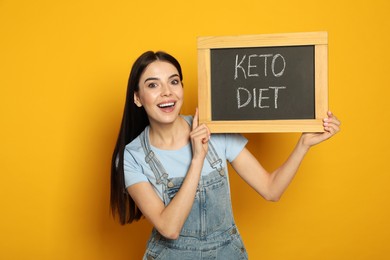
x=282, y=177
x=272, y=185
x=175, y=214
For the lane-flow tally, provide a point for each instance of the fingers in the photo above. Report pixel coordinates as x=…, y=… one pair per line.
x=195, y=122
x=201, y=133
x=200, y=137
x=331, y=124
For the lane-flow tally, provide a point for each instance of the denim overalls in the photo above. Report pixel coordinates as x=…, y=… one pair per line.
x=209, y=231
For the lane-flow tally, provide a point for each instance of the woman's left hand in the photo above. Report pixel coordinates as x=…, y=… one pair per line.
x=331, y=127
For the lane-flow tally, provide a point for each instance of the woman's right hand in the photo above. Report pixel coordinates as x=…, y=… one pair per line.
x=200, y=136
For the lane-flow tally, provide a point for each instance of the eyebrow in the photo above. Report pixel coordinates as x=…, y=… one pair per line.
x=150, y=79
x=154, y=78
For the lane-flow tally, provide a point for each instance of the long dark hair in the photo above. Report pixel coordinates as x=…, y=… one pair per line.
x=134, y=121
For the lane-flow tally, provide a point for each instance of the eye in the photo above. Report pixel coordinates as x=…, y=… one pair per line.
x=152, y=85
x=175, y=82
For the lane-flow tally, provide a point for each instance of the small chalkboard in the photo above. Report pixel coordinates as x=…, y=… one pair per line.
x=263, y=83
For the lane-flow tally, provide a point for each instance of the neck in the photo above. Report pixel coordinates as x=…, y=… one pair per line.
x=170, y=136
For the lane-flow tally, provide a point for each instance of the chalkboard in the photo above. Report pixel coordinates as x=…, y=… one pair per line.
x=263, y=83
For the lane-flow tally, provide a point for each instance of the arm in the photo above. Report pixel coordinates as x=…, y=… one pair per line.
x=272, y=185
x=169, y=220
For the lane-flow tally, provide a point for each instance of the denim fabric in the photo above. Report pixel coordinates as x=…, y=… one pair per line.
x=209, y=231
x=224, y=246
x=210, y=210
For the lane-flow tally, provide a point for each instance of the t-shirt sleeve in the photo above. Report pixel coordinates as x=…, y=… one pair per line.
x=234, y=144
x=132, y=169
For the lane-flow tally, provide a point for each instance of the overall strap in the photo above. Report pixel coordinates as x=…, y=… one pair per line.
x=156, y=166
x=214, y=160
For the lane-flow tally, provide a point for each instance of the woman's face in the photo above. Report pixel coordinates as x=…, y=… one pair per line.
x=160, y=92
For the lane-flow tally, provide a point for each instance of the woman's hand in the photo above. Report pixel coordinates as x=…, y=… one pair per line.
x=331, y=127
x=199, y=135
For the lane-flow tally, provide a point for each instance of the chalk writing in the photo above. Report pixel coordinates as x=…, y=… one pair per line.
x=257, y=102
x=262, y=83
x=249, y=68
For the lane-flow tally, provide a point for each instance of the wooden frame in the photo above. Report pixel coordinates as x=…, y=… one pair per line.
x=320, y=42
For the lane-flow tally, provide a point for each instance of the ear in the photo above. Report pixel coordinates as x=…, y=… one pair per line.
x=137, y=101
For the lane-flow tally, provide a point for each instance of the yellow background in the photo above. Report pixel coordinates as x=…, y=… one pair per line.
x=64, y=67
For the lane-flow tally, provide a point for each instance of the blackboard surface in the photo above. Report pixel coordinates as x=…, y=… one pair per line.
x=263, y=83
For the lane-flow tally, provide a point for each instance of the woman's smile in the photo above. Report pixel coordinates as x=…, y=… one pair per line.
x=167, y=106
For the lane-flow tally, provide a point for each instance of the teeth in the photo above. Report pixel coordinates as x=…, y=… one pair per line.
x=166, y=105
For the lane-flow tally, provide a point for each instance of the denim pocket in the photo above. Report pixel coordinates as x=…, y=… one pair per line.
x=235, y=250
x=155, y=252
x=239, y=247
x=217, y=205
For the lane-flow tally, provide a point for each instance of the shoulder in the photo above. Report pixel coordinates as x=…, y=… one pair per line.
x=134, y=145
x=134, y=164
x=134, y=150
x=229, y=144
x=188, y=119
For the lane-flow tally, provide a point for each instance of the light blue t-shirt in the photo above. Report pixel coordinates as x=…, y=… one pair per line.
x=176, y=162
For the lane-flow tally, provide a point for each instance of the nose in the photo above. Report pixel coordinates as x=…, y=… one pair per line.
x=165, y=90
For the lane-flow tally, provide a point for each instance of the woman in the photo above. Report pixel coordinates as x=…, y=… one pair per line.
x=170, y=169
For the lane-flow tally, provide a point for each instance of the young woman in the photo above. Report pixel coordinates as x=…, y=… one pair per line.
x=173, y=171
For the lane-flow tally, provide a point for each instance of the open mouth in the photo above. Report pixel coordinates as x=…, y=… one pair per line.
x=166, y=105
